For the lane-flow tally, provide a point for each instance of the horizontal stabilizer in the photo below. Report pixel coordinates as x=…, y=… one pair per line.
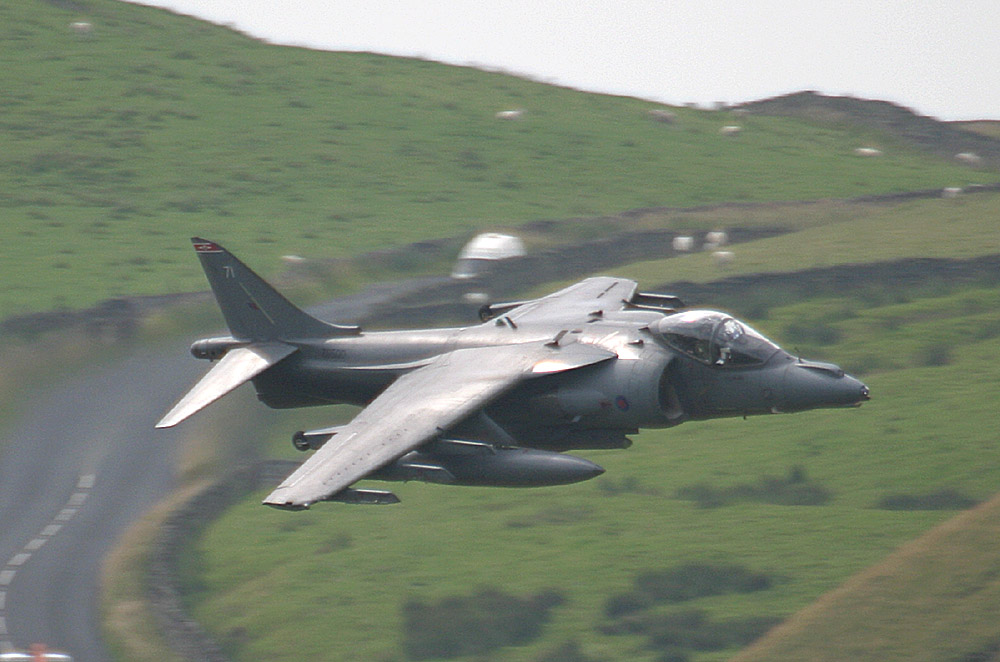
x=237, y=367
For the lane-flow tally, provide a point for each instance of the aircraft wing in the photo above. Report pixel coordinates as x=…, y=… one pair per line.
x=578, y=302
x=419, y=406
x=237, y=367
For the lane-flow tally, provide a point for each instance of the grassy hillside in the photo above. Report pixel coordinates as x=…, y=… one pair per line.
x=944, y=138
x=990, y=128
x=120, y=144
x=350, y=571
x=926, y=440
x=826, y=234
x=879, y=615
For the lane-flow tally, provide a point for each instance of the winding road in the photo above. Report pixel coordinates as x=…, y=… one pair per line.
x=80, y=464
x=83, y=461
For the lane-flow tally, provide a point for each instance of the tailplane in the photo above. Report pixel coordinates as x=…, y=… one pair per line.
x=253, y=309
x=237, y=367
x=264, y=325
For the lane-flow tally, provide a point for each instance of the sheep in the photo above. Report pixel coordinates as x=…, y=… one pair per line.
x=951, y=192
x=81, y=28
x=683, y=244
x=969, y=158
x=731, y=130
x=723, y=258
x=509, y=115
x=715, y=239
x=867, y=151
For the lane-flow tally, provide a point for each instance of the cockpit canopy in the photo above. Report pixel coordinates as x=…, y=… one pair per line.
x=714, y=338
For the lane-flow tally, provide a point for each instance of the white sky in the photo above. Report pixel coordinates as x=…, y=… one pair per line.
x=939, y=58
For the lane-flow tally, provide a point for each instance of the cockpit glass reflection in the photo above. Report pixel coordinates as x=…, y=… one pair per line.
x=715, y=338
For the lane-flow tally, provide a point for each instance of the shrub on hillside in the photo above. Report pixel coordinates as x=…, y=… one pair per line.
x=793, y=489
x=473, y=625
x=567, y=652
x=675, y=635
x=935, y=354
x=685, y=582
x=811, y=333
x=947, y=499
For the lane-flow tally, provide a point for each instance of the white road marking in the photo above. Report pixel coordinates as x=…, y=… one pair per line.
x=19, y=559
x=35, y=544
x=85, y=482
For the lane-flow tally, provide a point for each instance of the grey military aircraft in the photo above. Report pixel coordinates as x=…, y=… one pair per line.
x=497, y=403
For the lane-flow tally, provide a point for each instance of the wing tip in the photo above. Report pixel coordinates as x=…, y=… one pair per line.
x=180, y=413
x=173, y=417
x=285, y=505
x=346, y=495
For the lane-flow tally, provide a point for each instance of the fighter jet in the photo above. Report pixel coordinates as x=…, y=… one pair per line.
x=497, y=403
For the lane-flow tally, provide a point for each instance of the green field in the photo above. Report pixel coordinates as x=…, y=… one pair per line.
x=879, y=615
x=929, y=431
x=257, y=575
x=120, y=145
x=960, y=228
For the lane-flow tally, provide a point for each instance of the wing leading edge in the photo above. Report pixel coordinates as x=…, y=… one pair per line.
x=237, y=367
x=592, y=296
x=588, y=300
x=420, y=406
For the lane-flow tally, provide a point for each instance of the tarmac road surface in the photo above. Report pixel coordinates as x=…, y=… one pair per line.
x=79, y=466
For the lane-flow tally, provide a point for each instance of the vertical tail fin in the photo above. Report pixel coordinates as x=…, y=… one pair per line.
x=253, y=309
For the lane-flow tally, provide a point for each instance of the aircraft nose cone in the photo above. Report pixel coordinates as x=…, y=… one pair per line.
x=813, y=385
